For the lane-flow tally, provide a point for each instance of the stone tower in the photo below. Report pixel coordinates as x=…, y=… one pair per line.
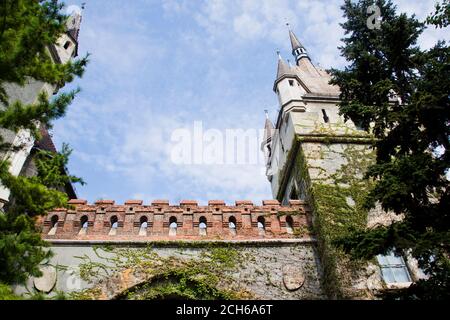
x=313, y=154
x=65, y=49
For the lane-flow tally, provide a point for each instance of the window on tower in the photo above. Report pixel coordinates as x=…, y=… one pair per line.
x=294, y=194
x=325, y=116
x=67, y=45
x=393, y=268
x=291, y=83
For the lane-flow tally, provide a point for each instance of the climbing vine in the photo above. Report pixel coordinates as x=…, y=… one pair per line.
x=337, y=201
x=206, y=276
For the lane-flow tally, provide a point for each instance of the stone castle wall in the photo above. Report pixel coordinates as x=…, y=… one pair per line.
x=277, y=262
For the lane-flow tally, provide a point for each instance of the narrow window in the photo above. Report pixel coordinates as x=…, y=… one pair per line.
x=202, y=226
x=143, y=226
x=54, y=224
x=173, y=225
x=325, y=116
x=289, y=225
x=67, y=45
x=114, y=225
x=84, y=225
x=261, y=225
x=232, y=225
x=291, y=83
x=294, y=194
x=393, y=268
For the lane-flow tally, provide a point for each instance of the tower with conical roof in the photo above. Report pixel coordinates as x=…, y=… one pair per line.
x=319, y=157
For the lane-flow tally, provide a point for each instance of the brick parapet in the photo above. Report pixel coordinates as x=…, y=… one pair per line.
x=280, y=222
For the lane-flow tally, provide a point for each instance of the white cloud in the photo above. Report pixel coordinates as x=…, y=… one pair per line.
x=212, y=61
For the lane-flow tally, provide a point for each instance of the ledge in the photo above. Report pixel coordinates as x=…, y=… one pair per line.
x=180, y=242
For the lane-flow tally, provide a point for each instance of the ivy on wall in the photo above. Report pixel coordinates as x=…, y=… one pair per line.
x=205, y=276
x=337, y=203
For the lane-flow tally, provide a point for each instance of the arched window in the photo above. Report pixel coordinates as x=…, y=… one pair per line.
x=54, y=225
x=143, y=226
x=67, y=45
x=289, y=225
x=232, y=225
x=173, y=225
x=114, y=222
x=84, y=225
x=114, y=225
x=144, y=222
x=84, y=222
x=261, y=225
x=202, y=226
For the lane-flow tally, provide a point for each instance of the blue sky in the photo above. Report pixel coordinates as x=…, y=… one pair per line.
x=160, y=65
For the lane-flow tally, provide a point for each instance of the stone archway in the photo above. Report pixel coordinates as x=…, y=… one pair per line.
x=132, y=284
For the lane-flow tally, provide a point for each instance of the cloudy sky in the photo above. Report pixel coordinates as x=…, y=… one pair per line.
x=162, y=65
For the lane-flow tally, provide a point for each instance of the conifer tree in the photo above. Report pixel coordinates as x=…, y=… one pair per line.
x=27, y=29
x=401, y=94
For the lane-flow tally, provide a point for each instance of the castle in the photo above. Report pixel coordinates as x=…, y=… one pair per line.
x=281, y=249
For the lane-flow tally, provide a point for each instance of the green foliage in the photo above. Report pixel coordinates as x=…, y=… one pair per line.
x=400, y=94
x=336, y=218
x=49, y=166
x=6, y=293
x=441, y=17
x=28, y=29
x=21, y=248
x=201, y=278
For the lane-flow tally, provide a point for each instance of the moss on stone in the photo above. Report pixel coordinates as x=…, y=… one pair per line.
x=337, y=205
x=202, y=277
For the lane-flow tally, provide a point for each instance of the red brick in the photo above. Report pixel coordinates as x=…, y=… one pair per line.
x=159, y=215
x=105, y=202
x=244, y=203
x=134, y=202
x=216, y=203
x=77, y=201
x=189, y=203
x=160, y=203
x=271, y=203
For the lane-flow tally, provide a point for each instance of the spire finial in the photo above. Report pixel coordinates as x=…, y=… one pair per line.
x=267, y=113
x=279, y=54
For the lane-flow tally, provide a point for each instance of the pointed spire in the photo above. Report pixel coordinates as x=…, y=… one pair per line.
x=295, y=43
x=298, y=50
x=74, y=22
x=283, y=68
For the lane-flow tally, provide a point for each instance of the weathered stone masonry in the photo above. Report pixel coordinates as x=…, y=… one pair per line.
x=271, y=254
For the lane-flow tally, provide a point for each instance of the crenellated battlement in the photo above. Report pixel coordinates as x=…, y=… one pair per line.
x=104, y=220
